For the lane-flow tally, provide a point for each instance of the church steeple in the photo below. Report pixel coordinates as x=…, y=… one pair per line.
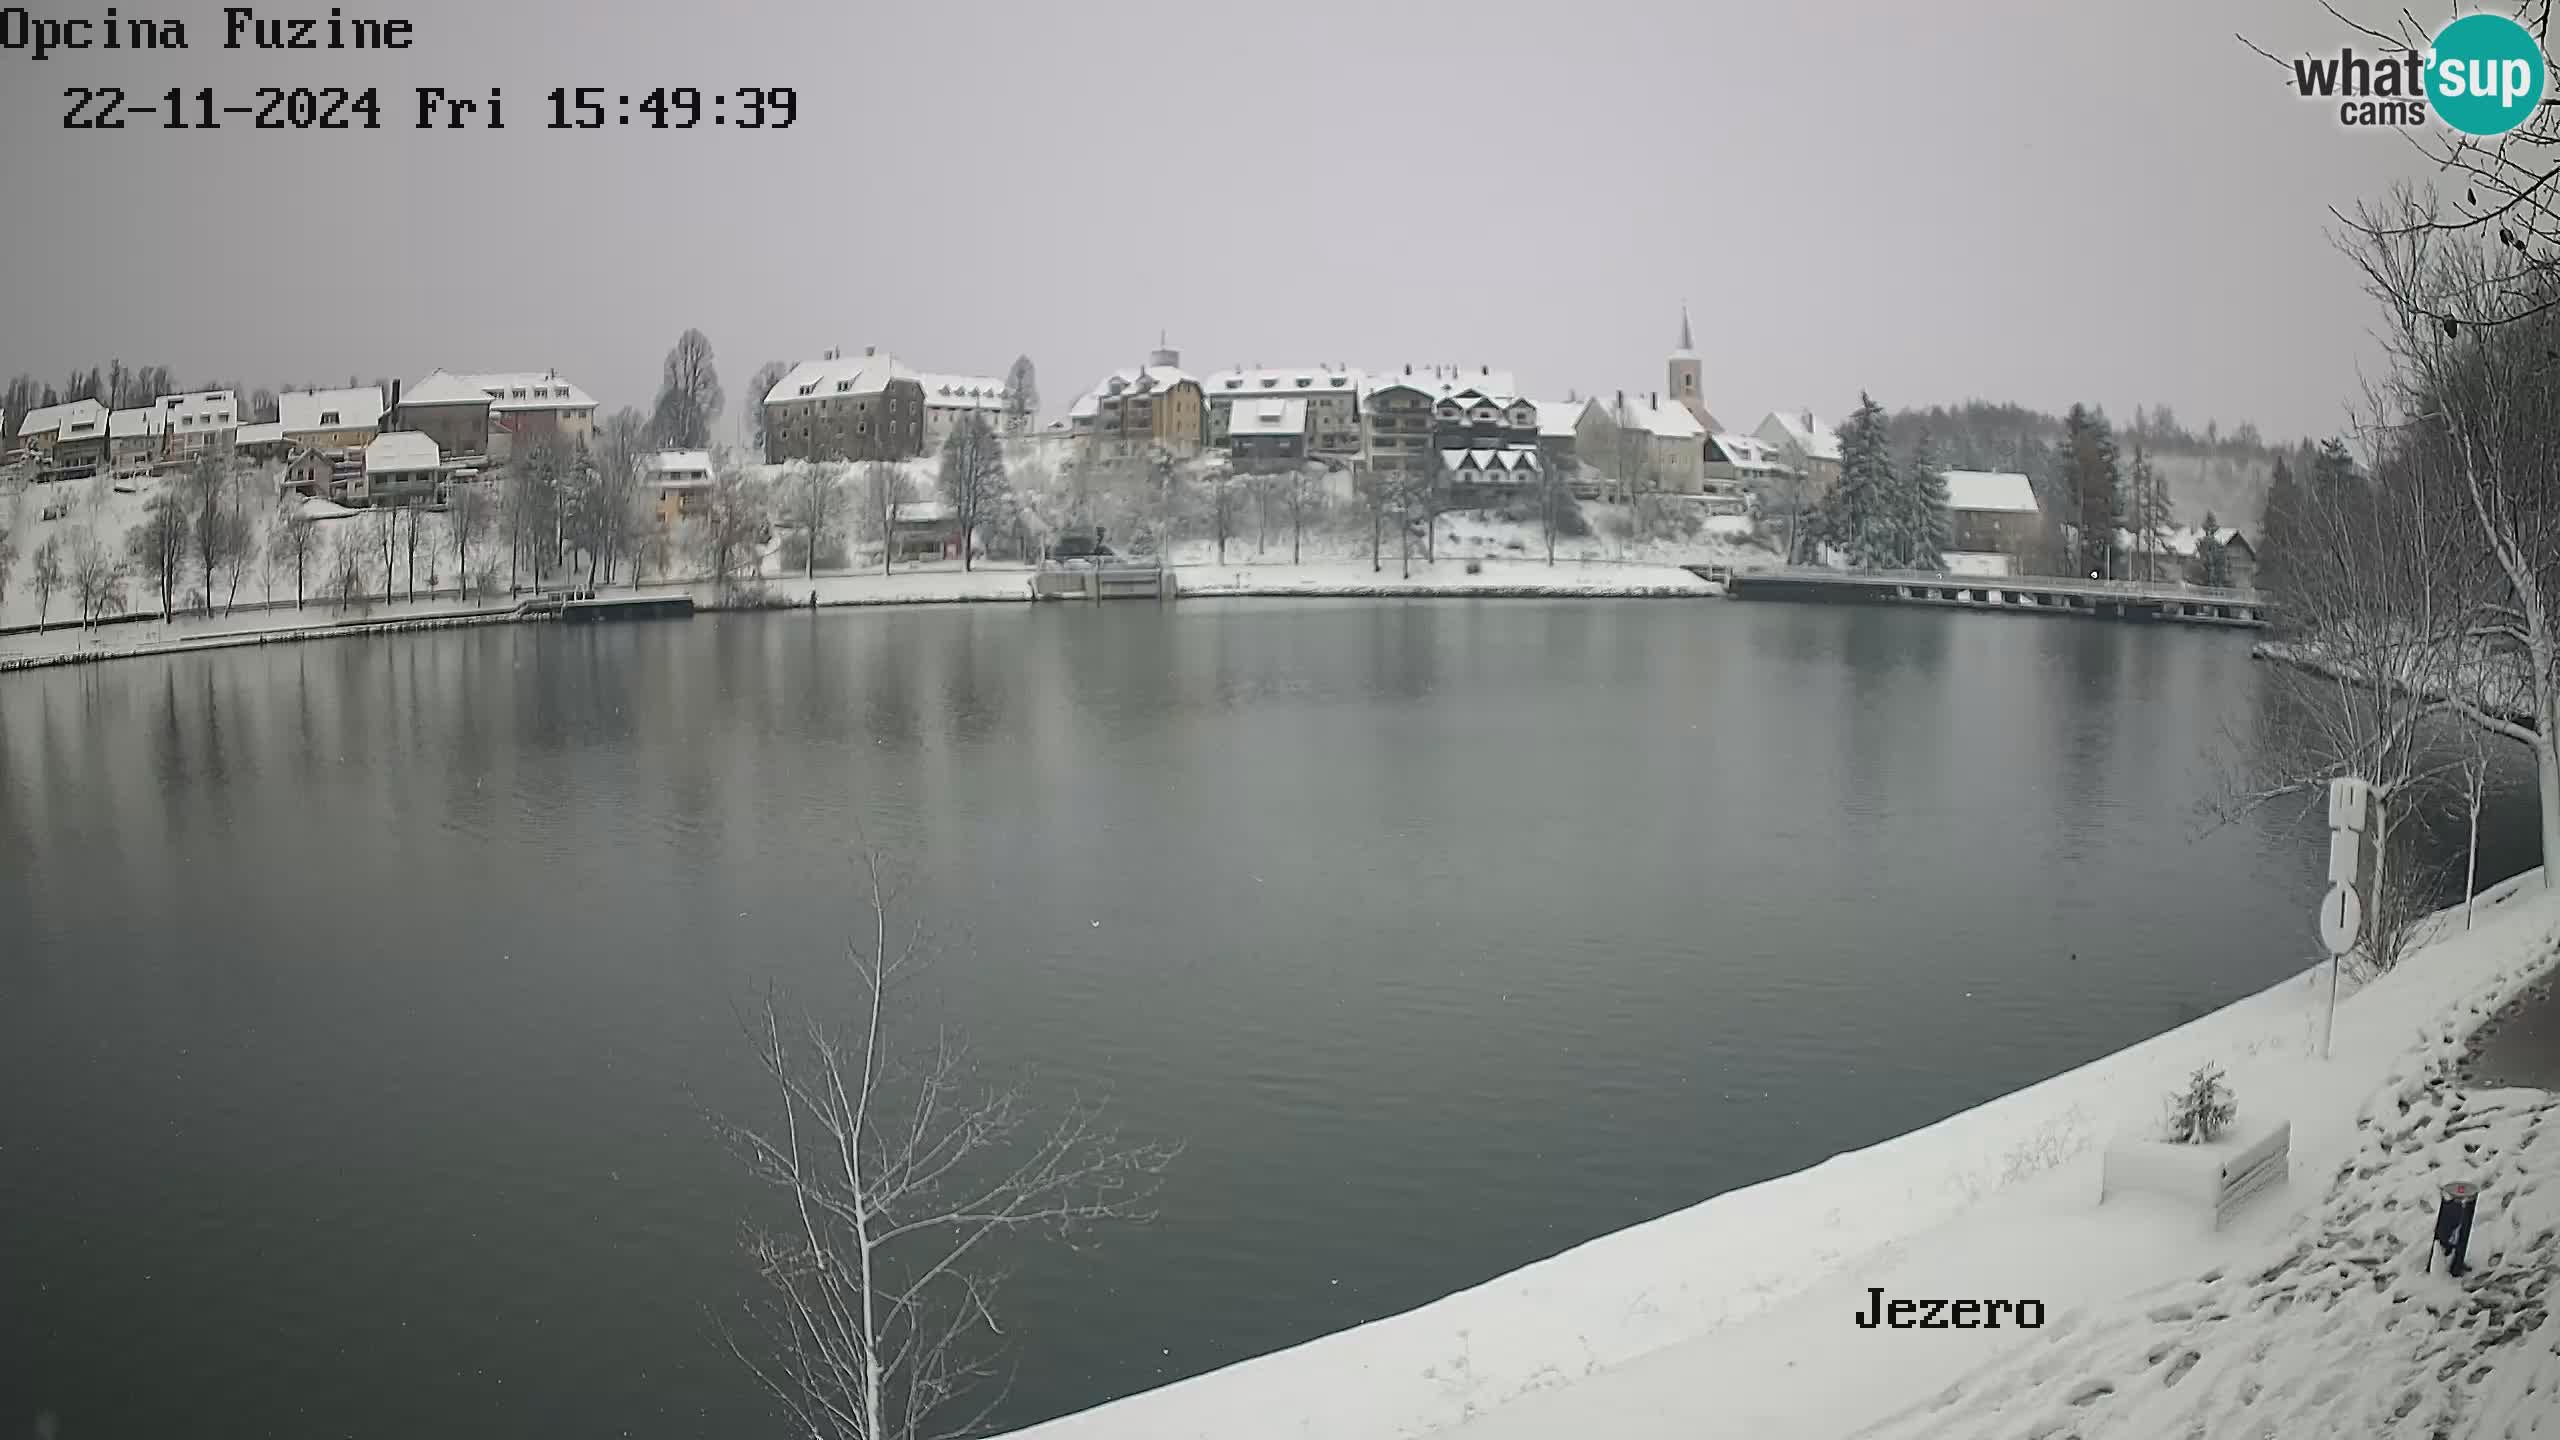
x=1686, y=380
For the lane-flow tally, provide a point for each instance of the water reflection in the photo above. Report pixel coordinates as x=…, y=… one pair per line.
x=363, y=999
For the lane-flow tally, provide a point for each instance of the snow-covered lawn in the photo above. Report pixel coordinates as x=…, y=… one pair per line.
x=2310, y=1311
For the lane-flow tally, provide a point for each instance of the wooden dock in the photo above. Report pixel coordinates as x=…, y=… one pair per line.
x=2139, y=601
x=1120, y=581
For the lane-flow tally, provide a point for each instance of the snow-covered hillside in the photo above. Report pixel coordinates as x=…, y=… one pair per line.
x=2311, y=1311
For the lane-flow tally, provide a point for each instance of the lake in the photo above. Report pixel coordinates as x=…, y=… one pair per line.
x=363, y=1003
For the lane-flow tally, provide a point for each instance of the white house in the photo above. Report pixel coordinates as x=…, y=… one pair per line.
x=330, y=419
x=205, y=420
x=401, y=468
x=135, y=439
x=950, y=398
x=1806, y=445
x=678, y=481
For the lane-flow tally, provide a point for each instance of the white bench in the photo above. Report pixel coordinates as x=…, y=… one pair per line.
x=2221, y=1176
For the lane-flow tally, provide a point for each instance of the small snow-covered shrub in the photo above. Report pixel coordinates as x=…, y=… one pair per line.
x=1475, y=567
x=2203, y=1110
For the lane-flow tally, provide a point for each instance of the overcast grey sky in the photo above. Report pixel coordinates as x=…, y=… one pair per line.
x=2109, y=200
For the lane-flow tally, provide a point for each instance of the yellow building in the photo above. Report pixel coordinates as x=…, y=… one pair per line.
x=330, y=419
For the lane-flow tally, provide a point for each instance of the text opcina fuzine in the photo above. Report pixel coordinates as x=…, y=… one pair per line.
x=242, y=28
x=1883, y=1314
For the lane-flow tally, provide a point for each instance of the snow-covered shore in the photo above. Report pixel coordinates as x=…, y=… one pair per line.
x=922, y=585
x=1734, y=1317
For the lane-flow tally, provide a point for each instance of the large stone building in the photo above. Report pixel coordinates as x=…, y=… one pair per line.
x=1331, y=412
x=1133, y=413
x=865, y=408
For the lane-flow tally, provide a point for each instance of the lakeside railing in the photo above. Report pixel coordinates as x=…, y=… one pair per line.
x=2146, y=589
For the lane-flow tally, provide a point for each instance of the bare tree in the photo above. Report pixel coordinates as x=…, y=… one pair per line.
x=216, y=540
x=2509, y=184
x=346, y=561
x=2483, y=401
x=1302, y=480
x=44, y=571
x=759, y=386
x=158, y=547
x=385, y=524
x=734, y=524
x=296, y=539
x=813, y=504
x=689, y=395
x=884, y=489
x=97, y=578
x=8, y=547
x=897, y=1172
x=973, y=480
x=466, y=519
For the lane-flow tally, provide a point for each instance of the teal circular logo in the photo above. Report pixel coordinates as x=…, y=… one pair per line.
x=2484, y=75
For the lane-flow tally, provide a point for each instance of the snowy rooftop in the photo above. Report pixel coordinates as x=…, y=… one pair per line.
x=1316, y=380
x=1443, y=382
x=402, y=450
x=1747, y=452
x=443, y=387
x=963, y=392
x=1656, y=416
x=304, y=410
x=1802, y=430
x=141, y=422
x=1268, y=416
x=68, y=419
x=546, y=391
x=1516, y=459
x=922, y=512
x=838, y=375
x=677, y=463
x=201, y=410
x=1140, y=380
x=1988, y=490
x=315, y=508
x=269, y=433
x=1560, y=418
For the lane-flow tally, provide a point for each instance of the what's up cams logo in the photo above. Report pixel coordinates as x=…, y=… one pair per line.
x=2482, y=75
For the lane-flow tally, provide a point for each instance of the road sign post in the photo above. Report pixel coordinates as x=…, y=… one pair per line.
x=2341, y=911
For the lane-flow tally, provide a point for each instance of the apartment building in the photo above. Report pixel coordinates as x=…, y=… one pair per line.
x=868, y=407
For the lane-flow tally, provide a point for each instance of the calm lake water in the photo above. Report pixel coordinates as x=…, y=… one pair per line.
x=361, y=1002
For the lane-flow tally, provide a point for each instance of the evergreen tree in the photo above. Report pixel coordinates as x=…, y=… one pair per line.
x=1920, y=490
x=2278, y=525
x=2333, y=469
x=2091, y=488
x=1858, y=517
x=2213, y=563
x=2148, y=514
